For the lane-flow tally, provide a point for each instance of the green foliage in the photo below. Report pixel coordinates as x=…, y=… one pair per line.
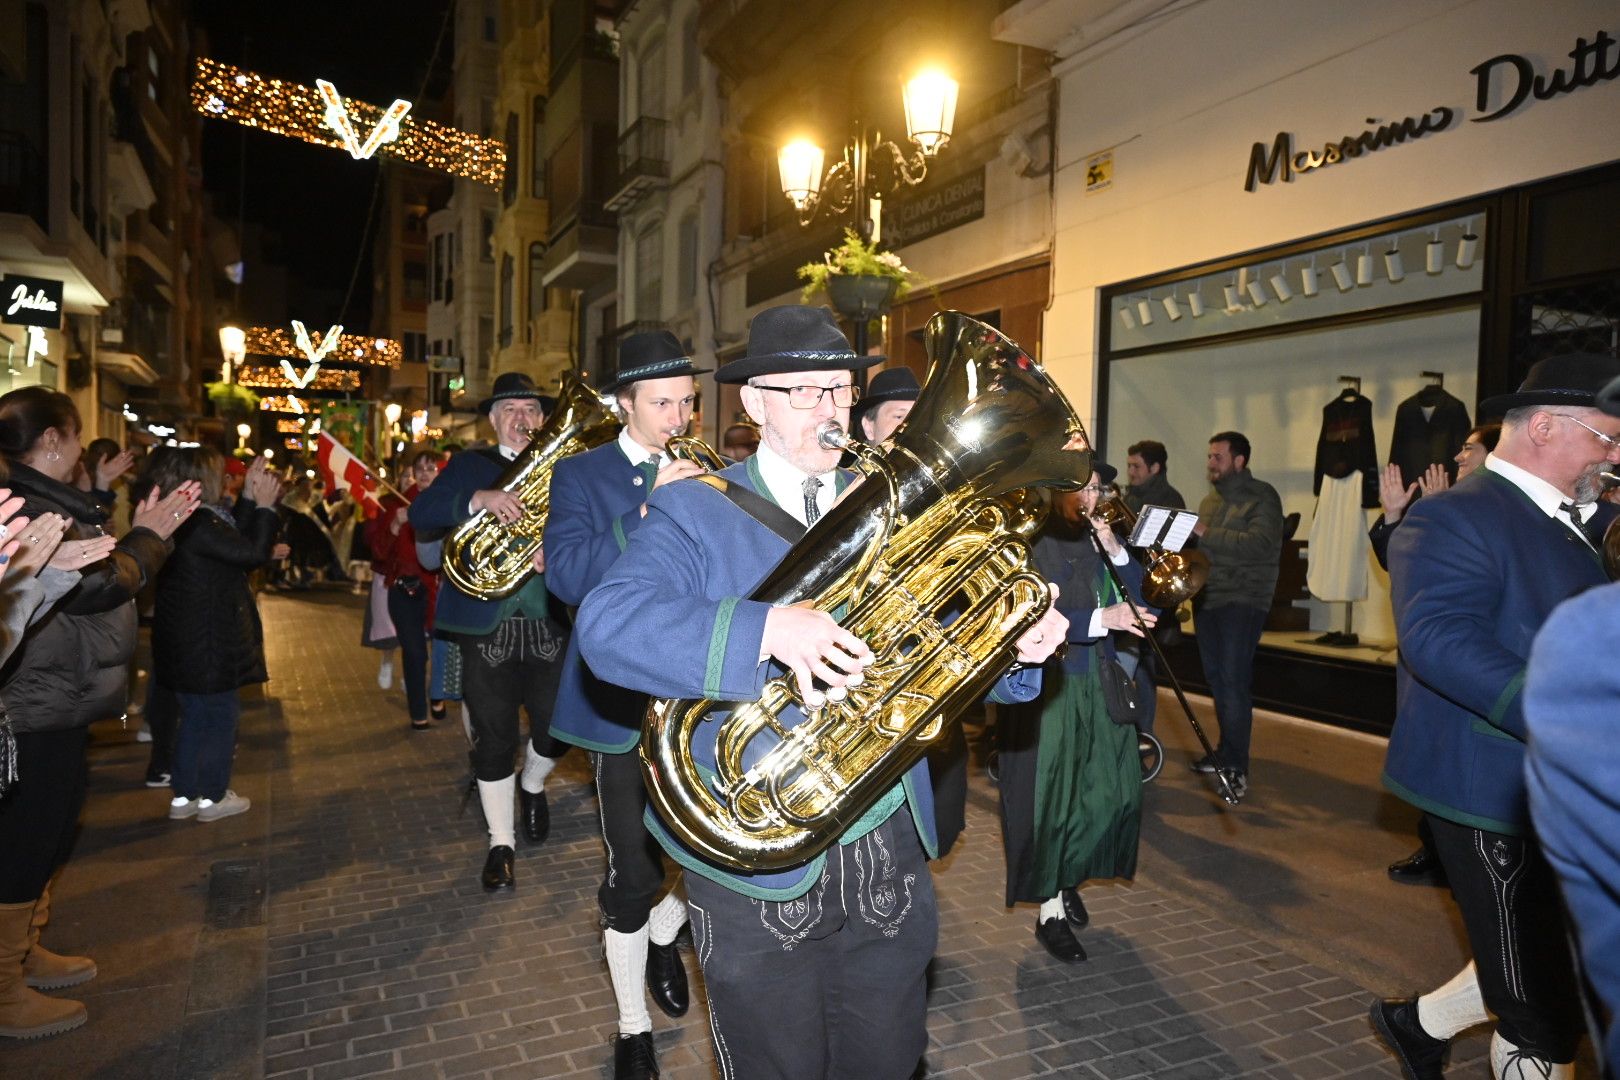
x=231, y=399
x=854, y=256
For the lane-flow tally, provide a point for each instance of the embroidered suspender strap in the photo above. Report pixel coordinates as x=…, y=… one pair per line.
x=758, y=507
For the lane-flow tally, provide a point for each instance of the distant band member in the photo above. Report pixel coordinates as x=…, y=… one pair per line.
x=512, y=649
x=886, y=404
x=598, y=501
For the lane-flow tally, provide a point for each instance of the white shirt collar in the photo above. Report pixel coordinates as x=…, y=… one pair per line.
x=507, y=452
x=785, y=482
x=1547, y=497
x=634, y=450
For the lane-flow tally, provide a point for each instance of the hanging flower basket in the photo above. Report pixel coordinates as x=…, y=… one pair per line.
x=859, y=280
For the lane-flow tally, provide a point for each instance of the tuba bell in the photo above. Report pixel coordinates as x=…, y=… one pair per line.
x=490, y=560
x=928, y=561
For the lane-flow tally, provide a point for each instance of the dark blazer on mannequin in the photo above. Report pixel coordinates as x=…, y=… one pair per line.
x=1419, y=442
x=1346, y=445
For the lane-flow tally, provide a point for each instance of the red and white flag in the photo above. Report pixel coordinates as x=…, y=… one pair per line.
x=345, y=472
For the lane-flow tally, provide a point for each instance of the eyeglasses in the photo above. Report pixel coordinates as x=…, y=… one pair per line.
x=808, y=397
x=1609, y=441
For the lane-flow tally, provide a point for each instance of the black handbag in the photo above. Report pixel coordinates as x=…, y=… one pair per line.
x=1119, y=692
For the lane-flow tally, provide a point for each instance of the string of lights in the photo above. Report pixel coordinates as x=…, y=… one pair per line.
x=226, y=92
x=270, y=378
x=351, y=348
x=283, y=403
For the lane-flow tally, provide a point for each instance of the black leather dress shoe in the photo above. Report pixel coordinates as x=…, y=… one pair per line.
x=1421, y=1055
x=498, y=869
x=1074, y=909
x=666, y=978
x=1060, y=940
x=536, y=816
x=1422, y=867
x=634, y=1058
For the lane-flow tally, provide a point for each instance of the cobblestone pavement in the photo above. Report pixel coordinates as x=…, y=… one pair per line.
x=380, y=954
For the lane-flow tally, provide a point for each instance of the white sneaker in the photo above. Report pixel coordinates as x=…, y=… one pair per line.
x=385, y=674
x=181, y=808
x=231, y=803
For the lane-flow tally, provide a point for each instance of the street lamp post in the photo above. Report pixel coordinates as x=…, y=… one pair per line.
x=869, y=167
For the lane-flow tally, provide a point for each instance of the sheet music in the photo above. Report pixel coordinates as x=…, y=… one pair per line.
x=1163, y=526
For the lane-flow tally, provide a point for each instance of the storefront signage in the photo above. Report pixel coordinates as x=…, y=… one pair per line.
x=1099, y=172
x=1591, y=64
x=934, y=209
x=31, y=301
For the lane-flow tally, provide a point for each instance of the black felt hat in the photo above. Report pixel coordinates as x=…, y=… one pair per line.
x=1104, y=472
x=1570, y=379
x=890, y=384
x=653, y=354
x=515, y=384
x=1608, y=398
x=794, y=337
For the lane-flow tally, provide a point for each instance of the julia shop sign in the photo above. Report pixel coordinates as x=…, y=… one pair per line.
x=1507, y=82
x=31, y=301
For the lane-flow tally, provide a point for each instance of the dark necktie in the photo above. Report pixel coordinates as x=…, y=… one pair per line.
x=1575, y=515
x=811, y=510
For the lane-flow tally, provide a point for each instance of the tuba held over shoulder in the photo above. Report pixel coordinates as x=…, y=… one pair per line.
x=492, y=561
x=928, y=561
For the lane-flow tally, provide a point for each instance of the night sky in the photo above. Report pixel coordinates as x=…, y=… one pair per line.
x=314, y=197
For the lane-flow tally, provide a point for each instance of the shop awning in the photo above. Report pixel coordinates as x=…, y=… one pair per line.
x=127, y=368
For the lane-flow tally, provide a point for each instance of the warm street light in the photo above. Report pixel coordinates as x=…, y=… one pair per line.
x=391, y=411
x=242, y=433
x=930, y=102
x=233, y=344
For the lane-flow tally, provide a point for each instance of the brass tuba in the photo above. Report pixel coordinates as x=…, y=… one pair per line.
x=929, y=558
x=490, y=560
x=1170, y=578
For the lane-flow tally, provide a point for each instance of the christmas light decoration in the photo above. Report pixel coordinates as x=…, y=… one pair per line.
x=270, y=378
x=294, y=426
x=351, y=348
x=315, y=354
x=286, y=403
x=225, y=92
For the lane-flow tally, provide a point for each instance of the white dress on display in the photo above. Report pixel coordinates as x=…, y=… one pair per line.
x=1337, y=567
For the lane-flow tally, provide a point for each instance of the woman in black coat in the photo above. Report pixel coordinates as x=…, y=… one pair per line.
x=69, y=671
x=207, y=641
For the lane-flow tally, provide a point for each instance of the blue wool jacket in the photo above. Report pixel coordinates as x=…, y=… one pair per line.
x=1474, y=572
x=442, y=507
x=671, y=618
x=596, y=500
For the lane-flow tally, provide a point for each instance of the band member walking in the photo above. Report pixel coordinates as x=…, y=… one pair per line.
x=817, y=970
x=598, y=501
x=511, y=649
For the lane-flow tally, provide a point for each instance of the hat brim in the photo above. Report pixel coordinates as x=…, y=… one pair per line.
x=747, y=367
x=634, y=376
x=533, y=395
x=1500, y=404
x=872, y=401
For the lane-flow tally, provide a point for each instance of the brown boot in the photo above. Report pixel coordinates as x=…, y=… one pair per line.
x=25, y=1014
x=45, y=970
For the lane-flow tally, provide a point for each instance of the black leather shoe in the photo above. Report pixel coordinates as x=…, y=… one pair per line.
x=1206, y=764
x=498, y=869
x=1422, y=867
x=634, y=1058
x=1421, y=1055
x=1060, y=940
x=666, y=978
x=536, y=816
x=1074, y=909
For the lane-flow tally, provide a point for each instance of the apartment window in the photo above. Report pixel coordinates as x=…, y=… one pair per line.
x=537, y=160
x=650, y=79
x=415, y=283
x=537, y=290
x=649, y=257
x=486, y=330
x=691, y=56
x=436, y=267
x=491, y=27
x=509, y=180
x=486, y=241
x=689, y=255
x=505, y=299
x=415, y=346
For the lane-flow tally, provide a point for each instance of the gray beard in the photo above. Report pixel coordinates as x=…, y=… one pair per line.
x=1587, y=486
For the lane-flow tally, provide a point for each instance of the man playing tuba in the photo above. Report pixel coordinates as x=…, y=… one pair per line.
x=817, y=970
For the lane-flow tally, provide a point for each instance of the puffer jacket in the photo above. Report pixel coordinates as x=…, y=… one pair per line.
x=72, y=666
x=206, y=634
x=1243, y=523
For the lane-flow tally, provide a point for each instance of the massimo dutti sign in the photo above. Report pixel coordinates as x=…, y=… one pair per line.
x=1591, y=62
x=31, y=301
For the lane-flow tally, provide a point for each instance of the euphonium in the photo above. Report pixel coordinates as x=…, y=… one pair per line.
x=1170, y=578
x=490, y=560
x=929, y=561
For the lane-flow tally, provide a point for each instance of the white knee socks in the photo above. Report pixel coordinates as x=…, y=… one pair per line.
x=666, y=919
x=1454, y=1007
x=496, y=798
x=535, y=769
x=1051, y=909
x=1506, y=1066
x=627, y=966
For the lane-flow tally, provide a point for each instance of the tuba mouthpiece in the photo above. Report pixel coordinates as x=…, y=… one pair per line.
x=831, y=436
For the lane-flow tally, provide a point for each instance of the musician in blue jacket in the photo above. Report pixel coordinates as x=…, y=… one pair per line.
x=1475, y=571
x=598, y=500
x=510, y=650
x=817, y=970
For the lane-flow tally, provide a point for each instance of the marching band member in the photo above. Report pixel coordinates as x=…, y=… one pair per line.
x=598, y=500
x=511, y=649
x=817, y=970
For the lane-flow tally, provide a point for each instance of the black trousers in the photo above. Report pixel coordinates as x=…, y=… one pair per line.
x=408, y=610
x=163, y=718
x=1510, y=907
x=635, y=862
x=518, y=664
x=829, y=986
x=39, y=814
